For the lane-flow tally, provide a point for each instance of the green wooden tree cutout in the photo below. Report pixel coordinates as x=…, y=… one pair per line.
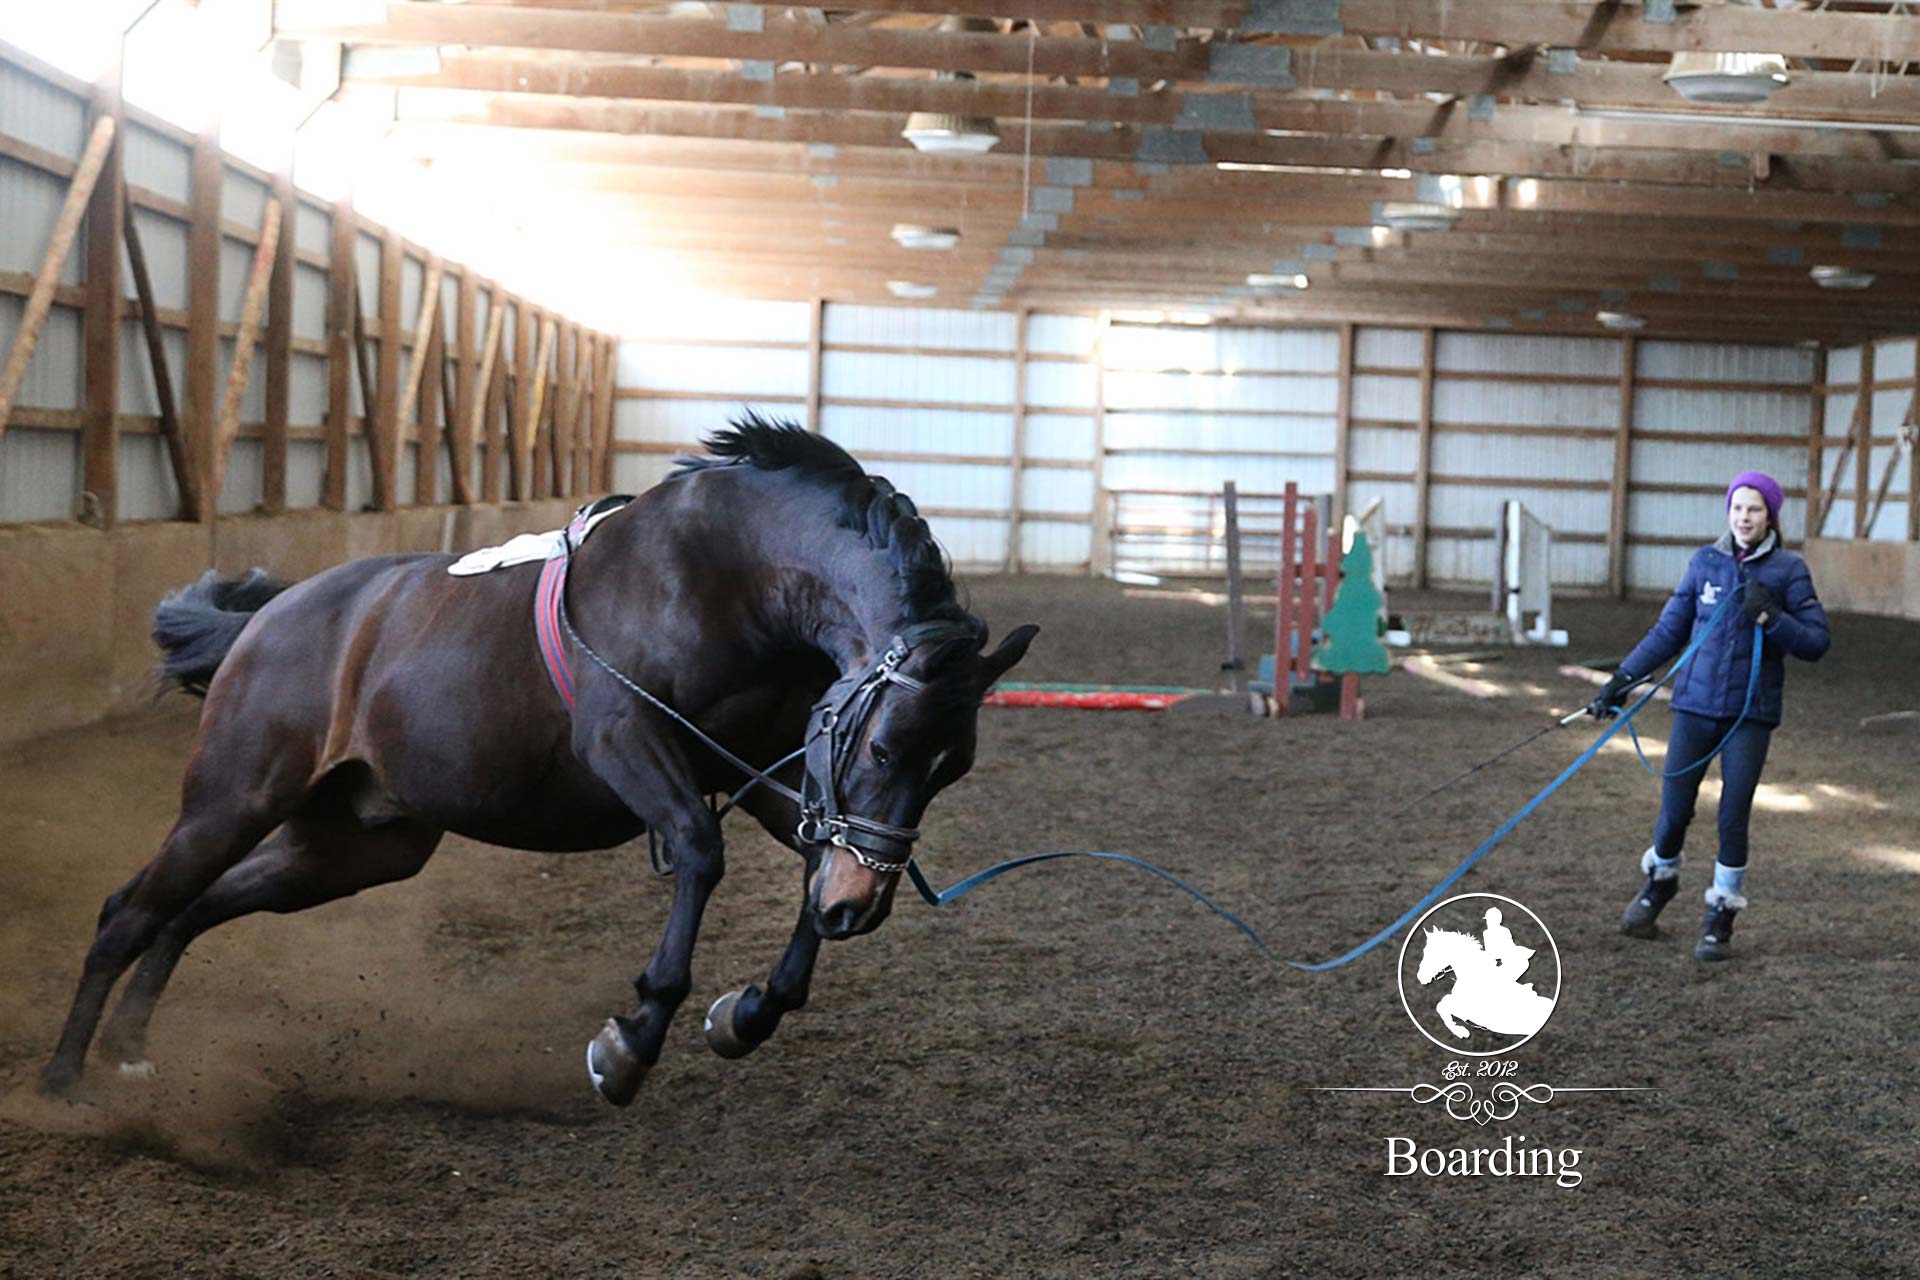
x=1354, y=625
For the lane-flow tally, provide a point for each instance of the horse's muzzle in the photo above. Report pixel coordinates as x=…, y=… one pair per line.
x=848, y=899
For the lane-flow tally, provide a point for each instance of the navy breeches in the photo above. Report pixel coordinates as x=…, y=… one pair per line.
x=1740, y=764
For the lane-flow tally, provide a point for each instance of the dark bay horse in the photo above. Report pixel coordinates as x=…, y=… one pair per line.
x=773, y=593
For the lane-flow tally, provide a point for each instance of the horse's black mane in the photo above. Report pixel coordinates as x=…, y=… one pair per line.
x=869, y=505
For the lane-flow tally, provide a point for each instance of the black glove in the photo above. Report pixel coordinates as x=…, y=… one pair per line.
x=1607, y=704
x=1760, y=604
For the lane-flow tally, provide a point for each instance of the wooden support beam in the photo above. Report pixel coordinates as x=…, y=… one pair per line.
x=1816, y=444
x=429, y=354
x=1343, y=432
x=489, y=385
x=423, y=331
x=203, y=317
x=1620, y=482
x=252, y=305
x=465, y=422
x=1423, y=466
x=537, y=378
x=610, y=370
x=384, y=438
x=449, y=424
x=1863, y=442
x=185, y=480
x=566, y=393
x=587, y=413
x=100, y=396
x=520, y=404
x=816, y=324
x=279, y=357
x=343, y=322
x=1016, y=459
x=65, y=228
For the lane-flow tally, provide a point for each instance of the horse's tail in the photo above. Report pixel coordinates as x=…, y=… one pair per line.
x=196, y=625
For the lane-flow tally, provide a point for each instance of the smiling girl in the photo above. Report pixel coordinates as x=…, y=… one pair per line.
x=1772, y=591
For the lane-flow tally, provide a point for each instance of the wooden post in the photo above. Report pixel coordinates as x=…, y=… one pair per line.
x=431, y=355
x=170, y=429
x=1283, y=588
x=1343, y=429
x=816, y=346
x=203, y=315
x=100, y=403
x=342, y=321
x=1309, y=616
x=364, y=363
x=565, y=403
x=1423, y=466
x=1017, y=457
x=1100, y=536
x=585, y=411
x=1816, y=441
x=40, y=298
x=610, y=368
x=1910, y=429
x=273, y=444
x=253, y=303
x=537, y=404
x=383, y=434
x=1863, y=441
x=1622, y=479
x=519, y=404
x=422, y=334
x=467, y=358
x=1236, y=664
x=486, y=399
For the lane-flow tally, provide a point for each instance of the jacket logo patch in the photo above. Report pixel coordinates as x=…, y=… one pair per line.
x=1710, y=594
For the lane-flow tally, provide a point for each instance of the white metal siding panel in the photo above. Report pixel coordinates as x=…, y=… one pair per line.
x=1387, y=348
x=1516, y=353
x=1383, y=449
x=673, y=421
x=54, y=374
x=745, y=372
x=1893, y=360
x=309, y=303
x=1460, y=506
x=1053, y=490
x=725, y=319
x=38, y=112
x=971, y=541
x=1075, y=386
x=1385, y=399
x=1525, y=404
x=1656, y=568
x=243, y=200
x=366, y=263
x=146, y=489
x=409, y=469
x=1289, y=395
x=312, y=229
x=306, y=390
x=638, y=472
x=158, y=164
x=413, y=278
x=946, y=431
x=1722, y=362
x=1062, y=335
x=943, y=379
x=359, y=474
x=1279, y=436
x=30, y=202
x=1748, y=412
x=306, y=473
x=844, y=323
x=243, y=489
x=1843, y=364
x=236, y=264
x=1467, y=454
x=1457, y=561
x=39, y=474
x=1053, y=545
x=1153, y=471
x=1058, y=436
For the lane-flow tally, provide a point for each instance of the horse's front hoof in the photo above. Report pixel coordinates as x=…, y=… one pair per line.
x=58, y=1078
x=721, y=1036
x=616, y=1070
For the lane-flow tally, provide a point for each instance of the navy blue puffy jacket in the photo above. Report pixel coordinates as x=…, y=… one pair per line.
x=1715, y=682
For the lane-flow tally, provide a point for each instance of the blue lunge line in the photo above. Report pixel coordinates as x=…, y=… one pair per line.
x=939, y=898
x=1753, y=683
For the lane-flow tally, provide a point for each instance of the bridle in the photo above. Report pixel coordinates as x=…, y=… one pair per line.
x=834, y=729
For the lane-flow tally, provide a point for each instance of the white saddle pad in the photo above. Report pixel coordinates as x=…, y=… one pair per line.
x=522, y=549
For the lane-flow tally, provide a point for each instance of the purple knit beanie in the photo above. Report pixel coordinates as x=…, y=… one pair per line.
x=1769, y=490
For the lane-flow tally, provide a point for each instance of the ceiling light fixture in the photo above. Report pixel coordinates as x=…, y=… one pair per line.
x=1619, y=320
x=944, y=133
x=1842, y=277
x=1418, y=215
x=1726, y=77
x=911, y=235
x=1267, y=280
x=911, y=289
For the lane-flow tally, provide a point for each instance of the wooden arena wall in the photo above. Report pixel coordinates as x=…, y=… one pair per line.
x=107, y=500
x=1864, y=535
x=1117, y=432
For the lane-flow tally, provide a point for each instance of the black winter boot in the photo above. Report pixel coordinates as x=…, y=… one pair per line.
x=1661, y=884
x=1716, y=932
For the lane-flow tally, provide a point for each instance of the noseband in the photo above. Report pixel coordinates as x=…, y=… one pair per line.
x=833, y=735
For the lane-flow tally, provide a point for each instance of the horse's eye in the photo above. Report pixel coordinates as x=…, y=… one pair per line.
x=881, y=756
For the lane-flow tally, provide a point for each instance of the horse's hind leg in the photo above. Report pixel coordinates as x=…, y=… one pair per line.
x=215, y=830
x=320, y=855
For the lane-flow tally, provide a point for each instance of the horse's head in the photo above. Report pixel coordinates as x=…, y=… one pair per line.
x=901, y=733
x=1437, y=953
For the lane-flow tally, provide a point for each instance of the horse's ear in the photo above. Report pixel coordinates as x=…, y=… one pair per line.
x=1011, y=650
